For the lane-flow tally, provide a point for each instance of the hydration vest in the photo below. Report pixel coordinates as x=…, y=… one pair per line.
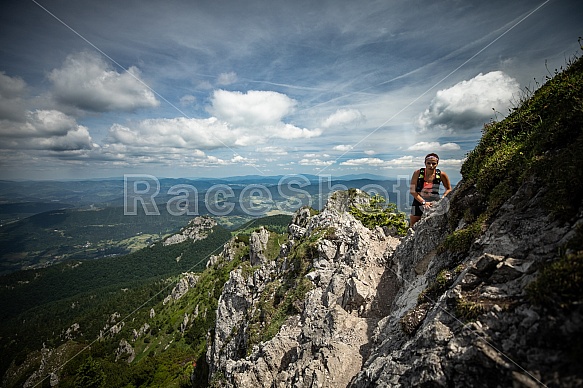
x=436, y=181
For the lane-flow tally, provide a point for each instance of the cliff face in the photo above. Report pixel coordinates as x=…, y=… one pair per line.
x=384, y=311
x=474, y=324
x=324, y=335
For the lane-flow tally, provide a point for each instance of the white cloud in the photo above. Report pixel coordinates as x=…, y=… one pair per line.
x=87, y=82
x=241, y=159
x=177, y=132
x=210, y=161
x=312, y=155
x=374, y=162
x=274, y=150
x=289, y=132
x=227, y=78
x=469, y=104
x=433, y=146
x=342, y=147
x=205, y=134
x=405, y=162
x=315, y=162
x=370, y=152
x=251, y=109
x=343, y=117
x=40, y=129
x=257, y=115
x=45, y=130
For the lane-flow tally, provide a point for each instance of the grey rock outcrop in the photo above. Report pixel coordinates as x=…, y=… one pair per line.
x=125, y=351
x=479, y=331
x=383, y=311
x=197, y=229
x=326, y=342
x=258, y=246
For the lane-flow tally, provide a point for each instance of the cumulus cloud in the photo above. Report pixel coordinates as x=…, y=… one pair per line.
x=342, y=147
x=290, y=132
x=312, y=155
x=12, y=90
x=254, y=108
x=257, y=115
x=469, y=104
x=434, y=146
x=45, y=130
x=177, y=132
x=274, y=150
x=374, y=162
x=240, y=159
x=315, y=162
x=40, y=129
x=210, y=161
x=343, y=117
x=205, y=134
x=87, y=82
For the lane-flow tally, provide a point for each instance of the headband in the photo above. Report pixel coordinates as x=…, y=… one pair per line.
x=432, y=157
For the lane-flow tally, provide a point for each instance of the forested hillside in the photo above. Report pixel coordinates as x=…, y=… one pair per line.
x=69, y=305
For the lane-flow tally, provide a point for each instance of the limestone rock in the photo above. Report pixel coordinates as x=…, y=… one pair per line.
x=326, y=342
x=197, y=229
x=258, y=246
x=363, y=323
x=186, y=282
x=125, y=350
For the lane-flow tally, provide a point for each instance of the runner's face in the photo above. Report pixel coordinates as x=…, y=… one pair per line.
x=431, y=163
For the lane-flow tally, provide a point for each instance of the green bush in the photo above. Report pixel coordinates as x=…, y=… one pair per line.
x=379, y=212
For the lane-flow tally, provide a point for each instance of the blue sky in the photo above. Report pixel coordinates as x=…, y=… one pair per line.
x=219, y=88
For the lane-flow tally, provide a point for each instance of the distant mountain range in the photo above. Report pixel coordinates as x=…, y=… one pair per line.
x=47, y=222
x=33, y=197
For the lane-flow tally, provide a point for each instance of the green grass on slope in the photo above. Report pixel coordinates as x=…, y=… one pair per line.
x=543, y=137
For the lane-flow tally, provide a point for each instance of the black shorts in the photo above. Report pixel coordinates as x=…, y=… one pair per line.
x=417, y=209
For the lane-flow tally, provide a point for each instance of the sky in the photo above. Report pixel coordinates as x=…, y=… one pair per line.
x=96, y=89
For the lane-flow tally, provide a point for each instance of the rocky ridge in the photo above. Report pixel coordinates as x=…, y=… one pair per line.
x=384, y=311
x=197, y=229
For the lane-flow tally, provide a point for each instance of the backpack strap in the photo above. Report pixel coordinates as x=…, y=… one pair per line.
x=420, y=180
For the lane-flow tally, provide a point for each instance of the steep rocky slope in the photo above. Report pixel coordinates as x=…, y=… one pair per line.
x=485, y=291
x=388, y=312
x=324, y=336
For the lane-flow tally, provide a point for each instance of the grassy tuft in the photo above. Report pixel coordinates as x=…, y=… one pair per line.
x=559, y=284
x=468, y=310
